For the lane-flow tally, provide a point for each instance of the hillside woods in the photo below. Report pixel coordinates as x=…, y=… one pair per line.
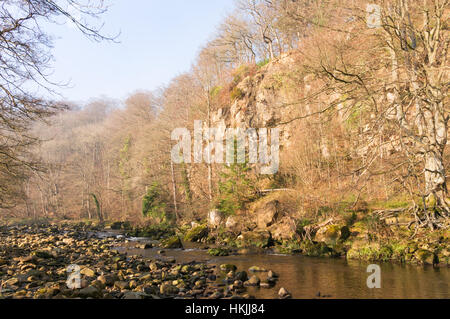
x=363, y=117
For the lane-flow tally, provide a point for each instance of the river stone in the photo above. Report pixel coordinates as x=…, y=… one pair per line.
x=265, y=284
x=241, y=275
x=186, y=269
x=284, y=294
x=107, y=280
x=173, y=242
x=216, y=295
x=257, y=269
x=88, y=292
x=12, y=282
x=228, y=267
x=142, y=268
x=253, y=281
x=122, y=285
x=87, y=272
x=133, y=295
x=43, y=254
x=200, y=283
x=144, y=246
x=168, y=289
x=68, y=241
x=28, y=259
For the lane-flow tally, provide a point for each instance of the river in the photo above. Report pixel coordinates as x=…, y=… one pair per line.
x=305, y=277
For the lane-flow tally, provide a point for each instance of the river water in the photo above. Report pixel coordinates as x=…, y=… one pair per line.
x=305, y=277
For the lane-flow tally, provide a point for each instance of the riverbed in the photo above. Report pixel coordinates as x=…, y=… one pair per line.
x=308, y=277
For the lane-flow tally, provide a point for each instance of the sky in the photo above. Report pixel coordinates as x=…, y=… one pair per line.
x=159, y=40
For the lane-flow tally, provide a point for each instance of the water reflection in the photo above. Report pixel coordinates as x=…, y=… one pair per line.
x=305, y=277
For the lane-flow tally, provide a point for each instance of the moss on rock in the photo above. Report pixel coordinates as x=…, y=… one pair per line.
x=196, y=234
x=172, y=243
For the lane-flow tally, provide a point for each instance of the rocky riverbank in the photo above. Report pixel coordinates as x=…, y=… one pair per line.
x=357, y=235
x=35, y=260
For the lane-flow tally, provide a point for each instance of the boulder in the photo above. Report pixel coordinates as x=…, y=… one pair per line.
x=260, y=239
x=196, y=234
x=173, y=242
x=267, y=214
x=329, y=234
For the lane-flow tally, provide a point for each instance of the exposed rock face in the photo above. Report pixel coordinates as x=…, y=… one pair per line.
x=267, y=214
x=215, y=218
x=258, y=105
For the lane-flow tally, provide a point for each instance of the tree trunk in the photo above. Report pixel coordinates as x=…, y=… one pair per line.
x=209, y=153
x=435, y=176
x=174, y=190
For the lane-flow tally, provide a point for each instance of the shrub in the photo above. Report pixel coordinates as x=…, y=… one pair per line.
x=263, y=63
x=235, y=188
x=153, y=204
x=237, y=94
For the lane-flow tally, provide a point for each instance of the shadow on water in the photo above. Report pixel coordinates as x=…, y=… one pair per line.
x=304, y=276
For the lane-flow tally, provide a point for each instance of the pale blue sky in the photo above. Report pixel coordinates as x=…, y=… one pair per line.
x=159, y=40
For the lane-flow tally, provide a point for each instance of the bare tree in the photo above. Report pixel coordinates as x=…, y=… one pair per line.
x=25, y=63
x=397, y=76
